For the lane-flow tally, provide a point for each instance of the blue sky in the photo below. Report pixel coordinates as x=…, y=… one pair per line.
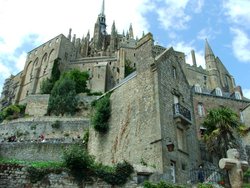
x=183, y=24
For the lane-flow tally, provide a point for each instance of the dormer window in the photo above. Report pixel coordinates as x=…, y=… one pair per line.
x=237, y=95
x=218, y=91
x=197, y=88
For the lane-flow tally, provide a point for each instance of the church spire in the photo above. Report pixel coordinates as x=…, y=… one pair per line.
x=103, y=8
x=208, y=50
x=209, y=57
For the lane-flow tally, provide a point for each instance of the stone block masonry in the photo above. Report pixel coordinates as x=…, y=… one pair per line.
x=16, y=176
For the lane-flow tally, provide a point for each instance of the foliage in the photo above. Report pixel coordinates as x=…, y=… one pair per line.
x=128, y=68
x=221, y=124
x=82, y=166
x=79, y=162
x=94, y=93
x=86, y=137
x=56, y=125
x=101, y=114
x=161, y=184
x=117, y=175
x=80, y=79
x=205, y=185
x=63, y=97
x=12, y=112
x=48, y=84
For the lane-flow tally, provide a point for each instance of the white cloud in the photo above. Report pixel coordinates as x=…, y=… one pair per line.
x=246, y=93
x=20, y=61
x=238, y=11
x=186, y=48
x=241, y=45
x=172, y=15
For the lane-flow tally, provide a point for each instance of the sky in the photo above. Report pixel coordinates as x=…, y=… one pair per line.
x=181, y=24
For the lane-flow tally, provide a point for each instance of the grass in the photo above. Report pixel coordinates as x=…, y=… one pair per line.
x=35, y=164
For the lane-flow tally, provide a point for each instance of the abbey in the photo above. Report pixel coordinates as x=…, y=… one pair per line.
x=161, y=104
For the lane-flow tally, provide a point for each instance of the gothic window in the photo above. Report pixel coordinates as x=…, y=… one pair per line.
x=218, y=91
x=197, y=88
x=200, y=109
x=237, y=95
x=174, y=72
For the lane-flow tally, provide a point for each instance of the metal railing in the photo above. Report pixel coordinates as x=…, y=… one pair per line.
x=181, y=110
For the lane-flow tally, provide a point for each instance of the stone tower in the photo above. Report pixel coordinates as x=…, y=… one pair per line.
x=100, y=30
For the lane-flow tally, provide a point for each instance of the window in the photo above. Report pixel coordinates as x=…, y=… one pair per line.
x=241, y=117
x=200, y=109
x=218, y=91
x=237, y=95
x=181, y=139
x=197, y=88
x=174, y=72
x=205, y=80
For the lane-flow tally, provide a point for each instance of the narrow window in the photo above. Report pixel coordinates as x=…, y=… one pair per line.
x=174, y=72
x=242, y=117
x=200, y=109
x=197, y=88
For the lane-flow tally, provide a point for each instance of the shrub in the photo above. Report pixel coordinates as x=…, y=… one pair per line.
x=46, y=86
x=56, y=125
x=12, y=112
x=101, y=114
x=79, y=162
x=161, y=184
x=80, y=79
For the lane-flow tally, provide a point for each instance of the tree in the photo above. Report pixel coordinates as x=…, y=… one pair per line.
x=63, y=97
x=222, y=125
x=80, y=79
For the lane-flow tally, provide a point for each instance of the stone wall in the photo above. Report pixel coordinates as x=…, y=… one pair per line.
x=174, y=88
x=133, y=123
x=31, y=128
x=16, y=176
x=33, y=151
x=37, y=105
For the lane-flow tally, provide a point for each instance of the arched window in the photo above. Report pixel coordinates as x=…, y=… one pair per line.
x=218, y=91
x=197, y=88
x=241, y=117
x=237, y=95
x=200, y=109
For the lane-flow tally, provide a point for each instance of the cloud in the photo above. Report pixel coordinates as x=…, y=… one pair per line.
x=238, y=12
x=241, y=45
x=172, y=15
x=186, y=48
x=246, y=93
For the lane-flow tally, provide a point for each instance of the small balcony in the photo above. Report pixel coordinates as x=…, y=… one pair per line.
x=183, y=113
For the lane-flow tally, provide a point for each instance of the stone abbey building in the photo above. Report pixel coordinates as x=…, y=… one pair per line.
x=163, y=102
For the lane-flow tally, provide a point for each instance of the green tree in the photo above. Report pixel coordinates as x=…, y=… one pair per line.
x=63, y=97
x=48, y=83
x=222, y=125
x=80, y=79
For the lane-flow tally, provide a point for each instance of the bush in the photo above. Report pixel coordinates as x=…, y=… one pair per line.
x=12, y=112
x=46, y=86
x=79, y=162
x=161, y=184
x=101, y=114
x=80, y=79
x=56, y=125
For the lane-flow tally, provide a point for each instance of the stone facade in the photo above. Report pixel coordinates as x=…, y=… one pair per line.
x=162, y=103
x=143, y=118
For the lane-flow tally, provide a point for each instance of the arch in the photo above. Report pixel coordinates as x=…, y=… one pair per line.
x=44, y=64
x=51, y=56
x=29, y=72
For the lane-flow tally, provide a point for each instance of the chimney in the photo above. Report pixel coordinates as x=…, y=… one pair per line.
x=193, y=58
